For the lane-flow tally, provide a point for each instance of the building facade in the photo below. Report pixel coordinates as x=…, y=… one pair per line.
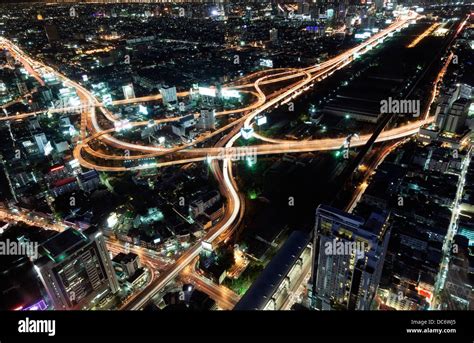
x=348, y=257
x=76, y=270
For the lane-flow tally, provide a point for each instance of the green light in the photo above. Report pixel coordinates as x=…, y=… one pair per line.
x=347, y=116
x=61, y=258
x=253, y=194
x=250, y=162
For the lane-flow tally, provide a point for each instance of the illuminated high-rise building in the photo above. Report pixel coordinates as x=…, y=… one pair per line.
x=453, y=108
x=128, y=91
x=75, y=269
x=207, y=119
x=41, y=142
x=169, y=95
x=273, y=35
x=22, y=88
x=348, y=257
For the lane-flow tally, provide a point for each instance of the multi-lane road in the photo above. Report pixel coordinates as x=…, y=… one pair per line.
x=304, y=79
x=299, y=80
x=225, y=298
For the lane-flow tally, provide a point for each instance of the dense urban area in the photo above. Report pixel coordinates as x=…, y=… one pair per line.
x=237, y=155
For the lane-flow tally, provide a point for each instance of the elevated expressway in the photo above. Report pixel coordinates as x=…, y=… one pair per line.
x=303, y=79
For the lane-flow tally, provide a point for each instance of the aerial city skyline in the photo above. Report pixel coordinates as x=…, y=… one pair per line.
x=237, y=155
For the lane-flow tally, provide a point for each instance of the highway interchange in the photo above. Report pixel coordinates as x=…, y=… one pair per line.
x=299, y=80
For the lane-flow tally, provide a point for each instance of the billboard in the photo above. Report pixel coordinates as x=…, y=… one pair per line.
x=230, y=93
x=206, y=91
x=207, y=246
x=266, y=63
x=362, y=35
x=261, y=120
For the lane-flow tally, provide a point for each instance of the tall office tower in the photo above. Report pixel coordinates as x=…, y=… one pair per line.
x=340, y=9
x=456, y=119
x=22, y=88
x=41, y=142
x=273, y=35
x=458, y=293
x=322, y=5
x=207, y=119
x=51, y=32
x=303, y=7
x=75, y=269
x=332, y=9
x=169, y=95
x=379, y=4
x=453, y=108
x=128, y=91
x=348, y=256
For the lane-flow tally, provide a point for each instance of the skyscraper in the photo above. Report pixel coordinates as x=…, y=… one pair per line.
x=51, y=32
x=207, y=119
x=379, y=4
x=453, y=108
x=41, y=142
x=75, y=269
x=274, y=35
x=303, y=7
x=22, y=88
x=169, y=95
x=128, y=91
x=348, y=257
x=456, y=119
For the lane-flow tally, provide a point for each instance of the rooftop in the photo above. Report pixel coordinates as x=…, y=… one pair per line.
x=63, y=242
x=271, y=277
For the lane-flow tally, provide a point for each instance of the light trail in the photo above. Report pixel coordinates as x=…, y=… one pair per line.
x=224, y=297
x=224, y=178
x=423, y=35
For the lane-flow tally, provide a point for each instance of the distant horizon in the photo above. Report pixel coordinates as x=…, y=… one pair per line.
x=180, y=157
x=116, y=1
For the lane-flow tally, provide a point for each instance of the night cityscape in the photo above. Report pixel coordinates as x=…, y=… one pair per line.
x=182, y=157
